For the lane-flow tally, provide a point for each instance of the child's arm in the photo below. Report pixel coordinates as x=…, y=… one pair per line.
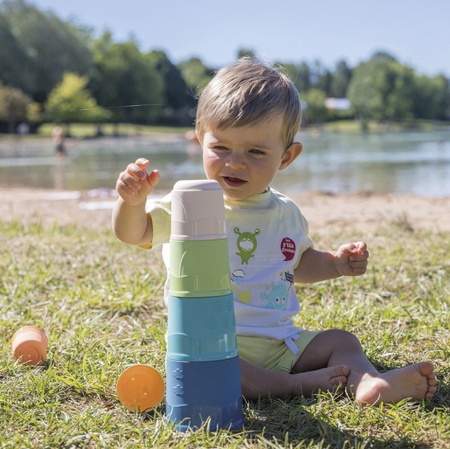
x=349, y=260
x=130, y=221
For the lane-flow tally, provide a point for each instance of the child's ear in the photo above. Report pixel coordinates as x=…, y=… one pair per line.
x=198, y=137
x=291, y=154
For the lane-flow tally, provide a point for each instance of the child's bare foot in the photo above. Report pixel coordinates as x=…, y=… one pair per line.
x=332, y=378
x=416, y=381
x=258, y=383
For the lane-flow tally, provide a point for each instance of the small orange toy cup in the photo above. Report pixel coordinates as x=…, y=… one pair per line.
x=140, y=387
x=29, y=345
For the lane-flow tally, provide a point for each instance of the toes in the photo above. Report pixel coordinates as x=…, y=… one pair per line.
x=429, y=395
x=340, y=370
x=339, y=381
x=425, y=369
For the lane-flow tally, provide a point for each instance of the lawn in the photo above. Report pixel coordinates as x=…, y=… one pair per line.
x=86, y=130
x=100, y=303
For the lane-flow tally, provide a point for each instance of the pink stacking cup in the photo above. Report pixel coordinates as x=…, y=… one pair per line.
x=29, y=345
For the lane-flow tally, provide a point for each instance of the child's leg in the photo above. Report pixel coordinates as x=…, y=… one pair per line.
x=337, y=347
x=258, y=382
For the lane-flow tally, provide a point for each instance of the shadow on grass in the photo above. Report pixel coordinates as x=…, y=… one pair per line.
x=442, y=396
x=300, y=422
x=325, y=422
x=289, y=422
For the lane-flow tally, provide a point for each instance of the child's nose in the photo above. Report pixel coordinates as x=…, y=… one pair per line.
x=235, y=161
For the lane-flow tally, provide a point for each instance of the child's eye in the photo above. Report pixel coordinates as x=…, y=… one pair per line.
x=257, y=152
x=219, y=148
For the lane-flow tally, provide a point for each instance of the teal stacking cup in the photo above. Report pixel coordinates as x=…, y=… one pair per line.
x=201, y=329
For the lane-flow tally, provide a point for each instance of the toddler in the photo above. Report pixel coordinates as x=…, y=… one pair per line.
x=247, y=119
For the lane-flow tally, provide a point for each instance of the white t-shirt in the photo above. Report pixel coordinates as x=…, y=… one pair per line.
x=267, y=235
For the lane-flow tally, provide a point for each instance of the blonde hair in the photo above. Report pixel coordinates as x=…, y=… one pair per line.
x=245, y=93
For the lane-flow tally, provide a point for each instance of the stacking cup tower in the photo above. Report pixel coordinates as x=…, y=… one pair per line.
x=203, y=377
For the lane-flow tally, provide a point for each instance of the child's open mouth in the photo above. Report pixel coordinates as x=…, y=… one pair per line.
x=233, y=182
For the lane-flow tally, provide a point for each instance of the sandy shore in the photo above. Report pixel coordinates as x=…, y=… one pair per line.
x=325, y=212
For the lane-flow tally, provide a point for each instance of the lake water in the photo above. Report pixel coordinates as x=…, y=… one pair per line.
x=407, y=162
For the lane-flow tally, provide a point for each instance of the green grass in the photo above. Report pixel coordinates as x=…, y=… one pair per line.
x=100, y=303
x=83, y=130
x=353, y=126
x=88, y=130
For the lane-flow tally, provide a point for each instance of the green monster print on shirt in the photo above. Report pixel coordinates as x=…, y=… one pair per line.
x=246, y=244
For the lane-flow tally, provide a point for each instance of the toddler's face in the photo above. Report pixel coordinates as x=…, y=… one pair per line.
x=244, y=160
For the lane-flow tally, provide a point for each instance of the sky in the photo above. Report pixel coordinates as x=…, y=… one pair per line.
x=415, y=32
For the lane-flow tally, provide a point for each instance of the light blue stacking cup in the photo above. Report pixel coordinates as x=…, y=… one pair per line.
x=201, y=329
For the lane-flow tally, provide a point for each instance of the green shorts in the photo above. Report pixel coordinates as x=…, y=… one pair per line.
x=273, y=354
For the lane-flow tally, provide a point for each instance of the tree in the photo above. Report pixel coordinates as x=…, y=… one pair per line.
x=176, y=96
x=124, y=80
x=195, y=74
x=16, y=68
x=246, y=53
x=382, y=89
x=340, y=80
x=300, y=74
x=39, y=48
x=16, y=106
x=315, y=110
x=71, y=102
x=383, y=56
x=324, y=80
x=432, y=97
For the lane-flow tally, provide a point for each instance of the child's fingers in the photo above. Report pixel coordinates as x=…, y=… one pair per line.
x=361, y=248
x=137, y=169
x=141, y=163
x=359, y=256
x=134, y=172
x=135, y=178
x=124, y=189
x=358, y=264
x=153, y=178
x=359, y=271
x=131, y=179
x=356, y=251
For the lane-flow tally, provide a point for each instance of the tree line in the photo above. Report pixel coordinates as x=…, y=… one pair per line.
x=51, y=69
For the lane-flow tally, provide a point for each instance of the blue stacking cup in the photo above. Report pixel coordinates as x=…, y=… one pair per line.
x=204, y=392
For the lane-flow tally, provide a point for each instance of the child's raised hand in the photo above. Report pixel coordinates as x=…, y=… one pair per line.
x=135, y=184
x=351, y=259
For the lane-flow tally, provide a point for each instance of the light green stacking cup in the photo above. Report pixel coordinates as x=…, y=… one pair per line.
x=199, y=263
x=199, y=268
